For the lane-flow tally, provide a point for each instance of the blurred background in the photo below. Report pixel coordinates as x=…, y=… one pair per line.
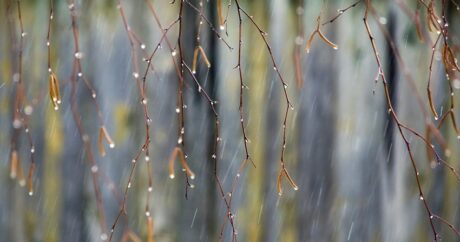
x=354, y=174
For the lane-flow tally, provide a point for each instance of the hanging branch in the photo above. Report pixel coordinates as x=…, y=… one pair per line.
x=141, y=82
x=213, y=29
x=430, y=72
x=76, y=75
x=429, y=125
x=341, y=11
x=297, y=52
x=20, y=109
x=396, y=119
x=321, y=35
x=289, y=106
x=214, y=156
x=53, y=80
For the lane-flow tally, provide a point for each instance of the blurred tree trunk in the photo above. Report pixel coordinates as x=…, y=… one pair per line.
x=255, y=75
x=452, y=213
x=392, y=74
x=316, y=120
x=211, y=223
x=444, y=187
x=275, y=106
x=397, y=173
x=72, y=226
x=74, y=161
x=15, y=227
x=198, y=217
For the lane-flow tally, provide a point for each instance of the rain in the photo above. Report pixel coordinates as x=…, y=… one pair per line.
x=229, y=120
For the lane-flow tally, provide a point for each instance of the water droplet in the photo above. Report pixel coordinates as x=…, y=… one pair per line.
x=296, y=188
x=177, y=110
x=112, y=145
x=222, y=27
x=179, y=140
x=143, y=46
x=174, y=53
x=133, y=161
x=150, y=189
x=238, y=175
x=78, y=55
x=214, y=156
x=104, y=237
x=144, y=101
x=32, y=150
x=31, y=193
x=17, y=123
x=136, y=75
x=147, y=213
x=23, y=34
x=94, y=95
x=299, y=40
x=299, y=10
x=85, y=137
x=47, y=43
x=129, y=184
x=147, y=158
x=171, y=176
x=94, y=169
x=28, y=110
x=274, y=68
x=192, y=177
x=421, y=198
